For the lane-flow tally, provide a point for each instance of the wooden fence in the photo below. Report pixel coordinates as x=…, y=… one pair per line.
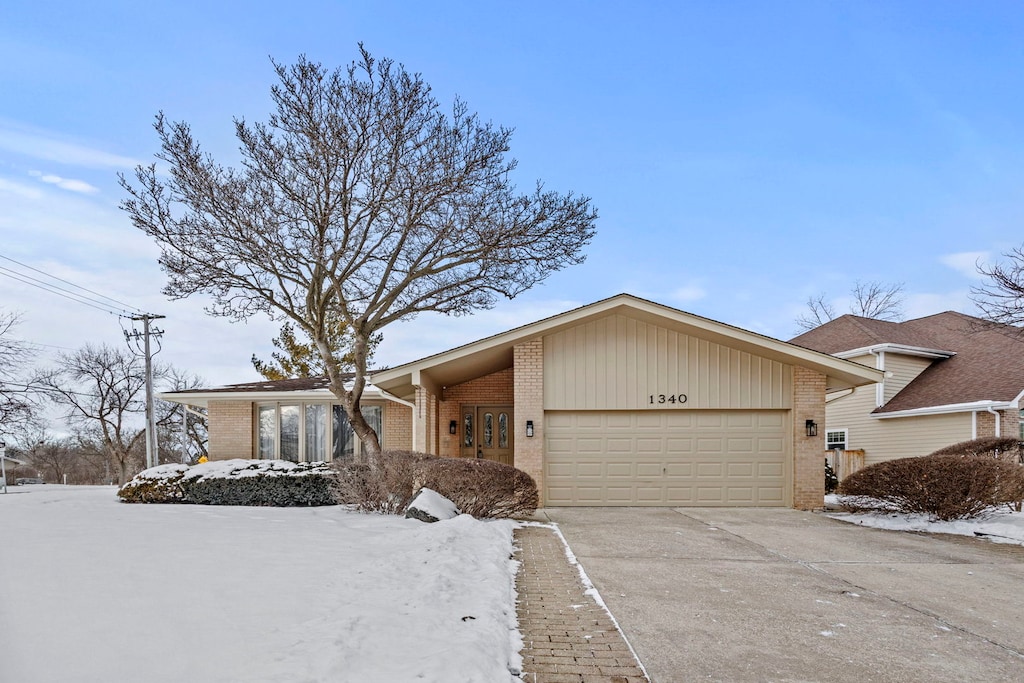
x=845, y=463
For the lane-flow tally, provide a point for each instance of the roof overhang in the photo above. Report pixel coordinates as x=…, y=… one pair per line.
x=918, y=351
x=202, y=398
x=494, y=353
x=973, y=406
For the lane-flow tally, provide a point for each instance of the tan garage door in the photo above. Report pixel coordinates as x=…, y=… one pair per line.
x=678, y=458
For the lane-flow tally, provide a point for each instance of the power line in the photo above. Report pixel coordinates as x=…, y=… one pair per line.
x=53, y=289
x=68, y=282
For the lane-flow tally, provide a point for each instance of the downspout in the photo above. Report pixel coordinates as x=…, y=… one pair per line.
x=998, y=420
x=880, y=386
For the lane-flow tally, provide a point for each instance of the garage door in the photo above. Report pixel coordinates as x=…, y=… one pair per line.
x=679, y=458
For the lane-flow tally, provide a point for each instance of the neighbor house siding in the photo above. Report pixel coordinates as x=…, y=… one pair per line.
x=230, y=426
x=888, y=439
x=619, y=363
x=904, y=369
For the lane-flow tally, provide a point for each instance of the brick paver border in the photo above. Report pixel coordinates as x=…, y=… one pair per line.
x=567, y=635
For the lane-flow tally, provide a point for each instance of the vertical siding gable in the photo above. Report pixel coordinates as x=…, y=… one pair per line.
x=618, y=362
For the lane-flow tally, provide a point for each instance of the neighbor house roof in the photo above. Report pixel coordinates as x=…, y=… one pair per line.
x=975, y=361
x=495, y=353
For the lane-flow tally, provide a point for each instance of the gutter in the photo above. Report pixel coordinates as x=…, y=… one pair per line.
x=949, y=408
x=998, y=420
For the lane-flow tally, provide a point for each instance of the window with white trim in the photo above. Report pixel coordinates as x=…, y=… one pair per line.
x=836, y=438
x=310, y=432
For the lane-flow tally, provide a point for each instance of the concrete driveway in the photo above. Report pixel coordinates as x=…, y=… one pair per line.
x=783, y=595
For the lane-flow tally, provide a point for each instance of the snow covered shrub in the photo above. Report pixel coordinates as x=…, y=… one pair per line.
x=1002, y=447
x=386, y=482
x=161, y=484
x=276, y=483
x=945, y=487
x=482, y=488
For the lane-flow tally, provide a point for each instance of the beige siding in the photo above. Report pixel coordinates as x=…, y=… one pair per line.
x=618, y=363
x=904, y=370
x=895, y=437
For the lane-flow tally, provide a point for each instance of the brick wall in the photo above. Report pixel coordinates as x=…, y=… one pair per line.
x=528, y=390
x=231, y=429
x=808, y=452
x=492, y=389
x=397, y=427
x=1009, y=423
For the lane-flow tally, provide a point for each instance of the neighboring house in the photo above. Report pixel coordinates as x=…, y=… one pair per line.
x=622, y=402
x=949, y=377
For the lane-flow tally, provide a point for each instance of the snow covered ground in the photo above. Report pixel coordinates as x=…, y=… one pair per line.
x=97, y=590
x=1002, y=526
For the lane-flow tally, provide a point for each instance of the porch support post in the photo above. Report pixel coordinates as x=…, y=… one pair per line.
x=528, y=391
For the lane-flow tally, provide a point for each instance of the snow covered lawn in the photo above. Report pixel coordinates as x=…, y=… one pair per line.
x=93, y=589
x=1002, y=526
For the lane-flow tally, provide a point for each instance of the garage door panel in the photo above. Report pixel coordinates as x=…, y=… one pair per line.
x=666, y=457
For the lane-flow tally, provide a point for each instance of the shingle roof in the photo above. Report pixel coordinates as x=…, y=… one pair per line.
x=988, y=365
x=299, y=384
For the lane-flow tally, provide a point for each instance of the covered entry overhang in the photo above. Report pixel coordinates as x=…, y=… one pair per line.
x=571, y=380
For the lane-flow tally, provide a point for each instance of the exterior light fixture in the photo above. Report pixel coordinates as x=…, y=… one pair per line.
x=529, y=428
x=812, y=428
x=453, y=427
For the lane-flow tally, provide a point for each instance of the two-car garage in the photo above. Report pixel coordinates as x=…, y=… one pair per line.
x=666, y=457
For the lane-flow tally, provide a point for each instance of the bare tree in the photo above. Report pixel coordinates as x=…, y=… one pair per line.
x=1001, y=297
x=105, y=389
x=170, y=417
x=16, y=405
x=358, y=200
x=870, y=300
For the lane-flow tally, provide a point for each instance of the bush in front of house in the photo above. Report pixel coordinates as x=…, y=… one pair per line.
x=277, y=483
x=1002, y=447
x=482, y=488
x=944, y=487
x=388, y=482
x=160, y=484
x=385, y=482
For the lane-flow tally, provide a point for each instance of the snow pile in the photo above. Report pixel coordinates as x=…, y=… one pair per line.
x=1002, y=526
x=182, y=592
x=224, y=469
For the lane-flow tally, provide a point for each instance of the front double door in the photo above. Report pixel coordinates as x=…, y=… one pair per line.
x=486, y=433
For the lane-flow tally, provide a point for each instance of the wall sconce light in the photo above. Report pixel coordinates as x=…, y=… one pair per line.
x=529, y=428
x=812, y=428
x=453, y=427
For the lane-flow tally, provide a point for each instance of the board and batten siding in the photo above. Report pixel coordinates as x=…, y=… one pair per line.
x=892, y=438
x=618, y=363
x=904, y=369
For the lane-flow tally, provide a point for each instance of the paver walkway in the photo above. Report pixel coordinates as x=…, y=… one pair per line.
x=567, y=636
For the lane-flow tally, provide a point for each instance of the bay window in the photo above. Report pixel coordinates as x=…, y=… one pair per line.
x=310, y=432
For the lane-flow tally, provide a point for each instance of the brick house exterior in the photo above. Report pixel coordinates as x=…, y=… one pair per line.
x=622, y=402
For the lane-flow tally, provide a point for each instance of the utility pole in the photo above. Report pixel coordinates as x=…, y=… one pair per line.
x=152, y=452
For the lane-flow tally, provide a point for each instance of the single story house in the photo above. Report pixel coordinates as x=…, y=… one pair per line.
x=948, y=378
x=621, y=402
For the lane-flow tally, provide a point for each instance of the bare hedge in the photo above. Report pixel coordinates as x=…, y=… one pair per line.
x=1002, y=447
x=481, y=488
x=945, y=487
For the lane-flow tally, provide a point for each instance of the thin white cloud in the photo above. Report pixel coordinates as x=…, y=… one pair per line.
x=965, y=262
x=23, y=191
x=47, y=146
x=69, y=184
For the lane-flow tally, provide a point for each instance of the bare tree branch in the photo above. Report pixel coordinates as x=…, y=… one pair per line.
x=870, y=300
x=1001, y=297
x=359, y=200
x=17, y=407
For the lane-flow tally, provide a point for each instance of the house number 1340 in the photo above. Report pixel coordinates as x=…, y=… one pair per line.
x=667, y=398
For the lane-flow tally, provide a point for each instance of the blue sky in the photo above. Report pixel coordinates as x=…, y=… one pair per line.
x=743, y=155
